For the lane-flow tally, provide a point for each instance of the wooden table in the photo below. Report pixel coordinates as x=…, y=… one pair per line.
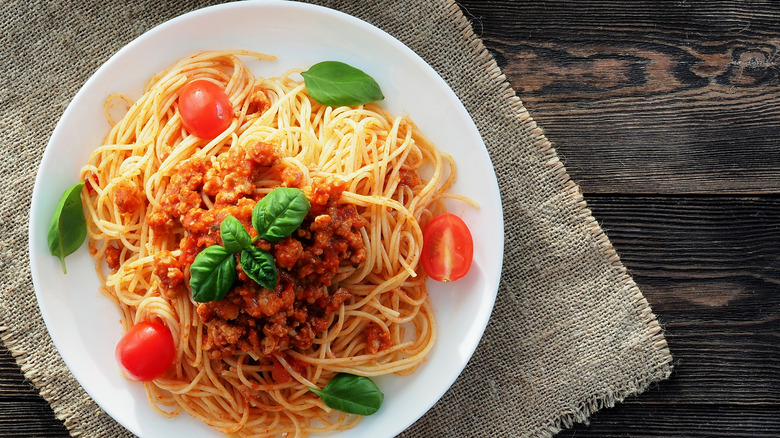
x=668, y=116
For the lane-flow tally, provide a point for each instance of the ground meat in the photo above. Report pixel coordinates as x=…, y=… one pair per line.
x=292, y=176
x=182, y=194
x=330, y=235
x=287, y=252
x=230, y=181
x=258, y=101
x=377, y=339
x=113, y=259
x=221, y=332
x=300, y=306
x=127, y=197
x=409, y=177
x=251, y=318
x=169, y=270
x=160, y=223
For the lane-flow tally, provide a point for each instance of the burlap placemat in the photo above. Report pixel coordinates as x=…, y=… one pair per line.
x=571, y=332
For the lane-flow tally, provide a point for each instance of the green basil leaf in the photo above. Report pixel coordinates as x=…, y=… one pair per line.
x=351, y=394
x=212, y=274
x=334, y=83
x=234, y=236
x=258, y=264
x=68, y=228
x=280, y=213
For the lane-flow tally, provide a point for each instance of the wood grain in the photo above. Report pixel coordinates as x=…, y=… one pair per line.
x=23, y=413
x=710, y=267
x=668, y=115
x=647, y=97
x=662, y=111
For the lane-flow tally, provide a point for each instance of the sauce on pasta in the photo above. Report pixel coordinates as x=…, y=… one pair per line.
x=349, y=297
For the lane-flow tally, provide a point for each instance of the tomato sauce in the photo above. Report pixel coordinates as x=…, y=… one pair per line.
x=113, y=257
x=128, y=197
x=377, y=339
x=170, y=272
x=250, y=317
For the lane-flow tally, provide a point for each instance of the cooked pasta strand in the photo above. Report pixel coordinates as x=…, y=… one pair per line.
x=379, y=158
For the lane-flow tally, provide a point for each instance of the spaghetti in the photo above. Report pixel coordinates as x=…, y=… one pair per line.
x=366, y=165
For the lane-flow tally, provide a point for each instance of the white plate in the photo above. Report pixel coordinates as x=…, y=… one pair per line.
x=84, y=324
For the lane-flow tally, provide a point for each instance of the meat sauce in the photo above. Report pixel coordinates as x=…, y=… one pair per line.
x=251, y=318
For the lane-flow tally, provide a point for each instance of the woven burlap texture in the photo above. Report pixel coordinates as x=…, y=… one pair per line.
x=570, y=333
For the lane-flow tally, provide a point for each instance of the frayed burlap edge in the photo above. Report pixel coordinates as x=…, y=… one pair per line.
x=572, y=191
x=62, y=408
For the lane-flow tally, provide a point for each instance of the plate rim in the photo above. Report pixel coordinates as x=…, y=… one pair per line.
x=35, y=208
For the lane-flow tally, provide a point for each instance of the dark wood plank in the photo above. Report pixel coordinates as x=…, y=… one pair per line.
x=710, y=268
x=23, y=412
x=645, y=96
x=24, y=419
x=711, y=271
x=634, y=420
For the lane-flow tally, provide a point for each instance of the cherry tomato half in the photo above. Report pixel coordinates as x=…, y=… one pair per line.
x=145, y=351
x=447, y=248
x=205, y=108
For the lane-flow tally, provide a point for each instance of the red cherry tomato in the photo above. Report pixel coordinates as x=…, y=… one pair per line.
x=447, y=248
x=205, y=108
x=145, y=351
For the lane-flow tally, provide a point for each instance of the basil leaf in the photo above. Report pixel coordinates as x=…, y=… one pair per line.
x=258, y=264
x=351, y=394
x=212, y=274
x=234, y=236
x=68, y=228
x=280, y=213
x=334, y=83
